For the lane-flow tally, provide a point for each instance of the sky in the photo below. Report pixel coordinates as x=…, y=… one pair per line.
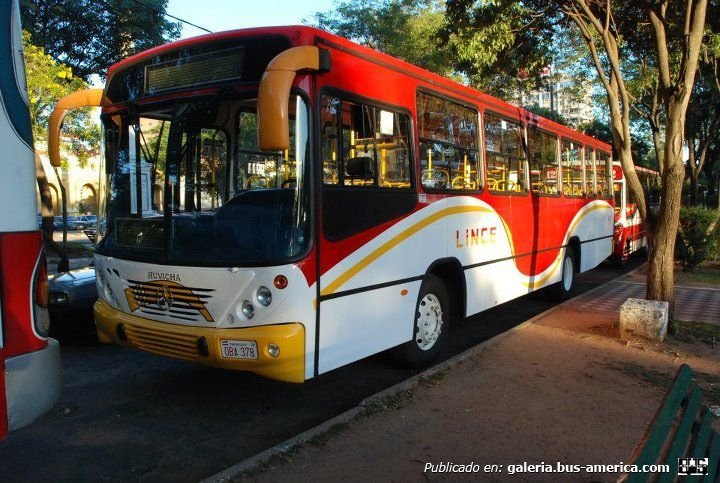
x=219, y=15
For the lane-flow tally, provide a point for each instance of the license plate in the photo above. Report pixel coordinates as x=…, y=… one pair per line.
x=239, y=349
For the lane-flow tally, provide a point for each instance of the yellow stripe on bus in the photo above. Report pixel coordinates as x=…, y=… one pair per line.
x=556, y=263
x=396, y=240
x=404, y=235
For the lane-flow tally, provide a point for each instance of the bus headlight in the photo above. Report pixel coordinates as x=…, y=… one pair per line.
x=248, y=309
x=264, y=296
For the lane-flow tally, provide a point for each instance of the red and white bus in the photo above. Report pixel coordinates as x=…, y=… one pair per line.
x=30, y=373
x=284, y=201
x=630, y=236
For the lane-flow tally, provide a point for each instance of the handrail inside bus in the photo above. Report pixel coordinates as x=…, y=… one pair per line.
x=83, y=98
x=272, y=106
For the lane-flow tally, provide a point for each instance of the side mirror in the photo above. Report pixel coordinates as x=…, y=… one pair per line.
x=272, y=107
x=84, y=98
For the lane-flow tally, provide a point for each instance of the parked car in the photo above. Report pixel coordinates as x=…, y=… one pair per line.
x=58, y=222
x=89, y=220
x=71, y=298
x=73, y=223
x=76, y=223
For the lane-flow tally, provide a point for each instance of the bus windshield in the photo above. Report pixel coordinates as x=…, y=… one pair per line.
x=188, y=185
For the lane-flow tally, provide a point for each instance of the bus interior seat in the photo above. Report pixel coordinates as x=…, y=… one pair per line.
x=361, y=169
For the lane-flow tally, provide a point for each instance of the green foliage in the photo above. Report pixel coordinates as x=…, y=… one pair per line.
x=48, y=80
x=405, y=29
x=642, y=152
x=90, y=35
x=598, y=129
x=698, y=237
x=501, y=45
x=547, y=114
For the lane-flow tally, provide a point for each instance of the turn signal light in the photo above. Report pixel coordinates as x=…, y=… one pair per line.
x=280, y=282
x=41, y=284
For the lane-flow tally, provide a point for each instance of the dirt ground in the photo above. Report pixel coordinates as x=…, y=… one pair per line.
x=564, y=389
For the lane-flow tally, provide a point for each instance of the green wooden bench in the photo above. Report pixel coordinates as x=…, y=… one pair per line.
x=681, y=428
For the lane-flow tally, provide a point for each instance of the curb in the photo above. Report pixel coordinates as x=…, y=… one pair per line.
x=348, y=416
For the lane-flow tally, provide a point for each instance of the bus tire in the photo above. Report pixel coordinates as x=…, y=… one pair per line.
x=430, y=326
x=561, y=290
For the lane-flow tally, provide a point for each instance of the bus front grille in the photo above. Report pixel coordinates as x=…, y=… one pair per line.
x=165, y=342
x=168, y=300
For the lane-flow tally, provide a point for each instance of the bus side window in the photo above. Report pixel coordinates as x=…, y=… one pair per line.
x=589, y=172
x=330, y=107
x=364, y=146
x=448, y=144
x=618, y=196
x=602, y=173
x=505, y=155
x=572, y=168
x=630, y=205
x=543, y=161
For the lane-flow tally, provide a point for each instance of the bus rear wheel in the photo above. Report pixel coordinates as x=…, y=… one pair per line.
x=561, y=290
x=432, y=314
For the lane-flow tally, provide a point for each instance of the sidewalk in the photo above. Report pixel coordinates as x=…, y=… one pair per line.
x=562, y=388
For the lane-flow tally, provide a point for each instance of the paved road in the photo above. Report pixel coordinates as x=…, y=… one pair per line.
x=691, y=303
x=131, y=416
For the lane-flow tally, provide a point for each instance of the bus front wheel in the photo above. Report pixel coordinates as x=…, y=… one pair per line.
x=432, y=314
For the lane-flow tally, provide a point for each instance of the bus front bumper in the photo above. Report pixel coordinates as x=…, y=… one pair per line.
x=205, y=344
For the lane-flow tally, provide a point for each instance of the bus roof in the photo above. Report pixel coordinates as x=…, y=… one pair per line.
x=305, y=35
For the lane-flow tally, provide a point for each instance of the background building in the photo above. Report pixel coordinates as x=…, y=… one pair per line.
x=81, y=183
x=571, y=98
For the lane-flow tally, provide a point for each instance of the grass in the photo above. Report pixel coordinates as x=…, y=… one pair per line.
x=708, y=383
x=648, y=376
x=691, y=332
x=433, y=379
x=706, y=273
x=395, y=401
x=699, y=275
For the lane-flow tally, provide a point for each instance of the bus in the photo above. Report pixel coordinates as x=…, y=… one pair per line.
x=630, y=236
x=30, y=374
x=284, y=201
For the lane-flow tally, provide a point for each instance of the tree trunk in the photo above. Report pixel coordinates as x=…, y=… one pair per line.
x=660, y=276
x=654, y=121
x=63, y=202
x=46, y=212
x=691, y=172
x=694, y=189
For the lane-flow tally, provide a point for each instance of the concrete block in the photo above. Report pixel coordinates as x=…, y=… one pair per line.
x=645, y=318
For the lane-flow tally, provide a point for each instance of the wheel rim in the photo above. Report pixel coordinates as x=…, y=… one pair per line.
x=568, y=272
x=429, y=322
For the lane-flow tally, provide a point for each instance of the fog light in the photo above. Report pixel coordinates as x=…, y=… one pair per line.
x=248, y=310
x=203, y=348
x=264, y=296
x=273, y=350
x=120, y=329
